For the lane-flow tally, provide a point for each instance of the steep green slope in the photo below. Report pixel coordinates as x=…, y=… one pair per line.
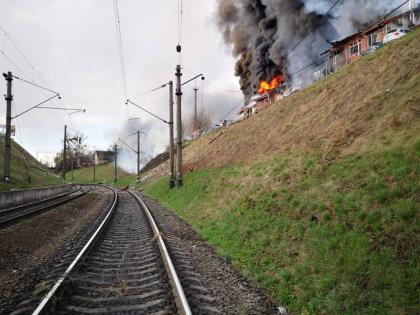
x=328, y=223
x=25, y=171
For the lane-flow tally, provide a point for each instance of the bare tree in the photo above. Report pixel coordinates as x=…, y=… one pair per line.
x=197, y=125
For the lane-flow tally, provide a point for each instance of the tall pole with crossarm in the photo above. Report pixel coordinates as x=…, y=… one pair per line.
x=179, y=180
x=7, y=142
x=171, y=136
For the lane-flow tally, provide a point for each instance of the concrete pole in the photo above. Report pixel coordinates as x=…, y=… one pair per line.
x=7, y=142
x=195, y=111
x=138, y=155
x=115, y=163
x=178, y=74
x=171, y=136
x=72, y=165
x=65, y=152
x=94, y=170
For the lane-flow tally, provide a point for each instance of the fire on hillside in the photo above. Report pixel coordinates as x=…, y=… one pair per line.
x=267, y=86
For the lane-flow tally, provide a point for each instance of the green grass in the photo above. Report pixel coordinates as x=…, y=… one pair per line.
x=25, y=171
x=322, y=238
x=104, y=175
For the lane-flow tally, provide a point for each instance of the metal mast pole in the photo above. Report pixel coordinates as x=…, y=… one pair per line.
x=195, y=110
x=171, y=136
x=65, y=152
x=7, y=142
x=178, y=74
x=72, y=163
x=94, y=169
x=115, y=163
x=138, y=155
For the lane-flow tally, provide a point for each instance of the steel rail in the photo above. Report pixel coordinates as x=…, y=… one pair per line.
x=38, y=208
x=177, y=290
x=35, y=203
x=49, y=296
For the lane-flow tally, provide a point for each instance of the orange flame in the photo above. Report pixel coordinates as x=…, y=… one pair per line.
x=266, y=86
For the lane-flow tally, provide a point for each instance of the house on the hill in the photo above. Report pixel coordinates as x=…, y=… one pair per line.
x=351, y=48
x=257, y=103
x=103, y=157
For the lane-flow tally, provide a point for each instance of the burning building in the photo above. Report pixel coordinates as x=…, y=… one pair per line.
x=274, y=39
x=351, y=48
x=268, y=92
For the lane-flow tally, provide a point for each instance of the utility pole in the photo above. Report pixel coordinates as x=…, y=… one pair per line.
x=115, y=163
x=72, y=165
x=7, y=142
x=195, y=111
x=65, y=152
x=138, y=155
x=178, y=74
x=171, y=136
x=94, y=170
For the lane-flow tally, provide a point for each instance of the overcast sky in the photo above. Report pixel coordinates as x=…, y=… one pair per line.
x=73, y=45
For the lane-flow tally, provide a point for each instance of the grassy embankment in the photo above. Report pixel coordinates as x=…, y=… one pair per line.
x=25, y=170
x=104, y=175
x=331, y=227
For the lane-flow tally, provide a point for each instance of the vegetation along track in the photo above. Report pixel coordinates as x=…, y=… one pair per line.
x=12, y=215
x=125, y=268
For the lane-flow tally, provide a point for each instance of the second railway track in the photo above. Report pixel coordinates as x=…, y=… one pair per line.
x=12, y=215
x=125, y=268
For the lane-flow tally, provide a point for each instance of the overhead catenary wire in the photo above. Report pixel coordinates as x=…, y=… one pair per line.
x=323, y=57
x=180, y=10
x=120, y=46
x=23, y=56
x=231, y=111
x=13, y=63
x=389, y=13
x=147, y=111
x=26, y=59
x=37, y=85
x=307, y=34
x=213, y=85
x=149, y=91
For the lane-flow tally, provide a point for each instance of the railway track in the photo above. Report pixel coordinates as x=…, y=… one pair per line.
x=125, y=268
x=12, y=215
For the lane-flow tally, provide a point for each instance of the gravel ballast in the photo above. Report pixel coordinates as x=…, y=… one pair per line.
x=234, y=293
x=31, y=247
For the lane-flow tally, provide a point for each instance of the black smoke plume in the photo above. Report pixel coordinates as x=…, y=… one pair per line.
x=265, y=34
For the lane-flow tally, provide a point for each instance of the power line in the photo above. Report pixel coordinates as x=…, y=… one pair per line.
x=213, y=85
x=34, y=84
x=13, y=63
x=32, y=81
x=377, y=22
x=24, y=56
x=147, y=111
x=233, y=108
x=306, y=35
x=150, y=91
x=120, y=46
x=388, y=14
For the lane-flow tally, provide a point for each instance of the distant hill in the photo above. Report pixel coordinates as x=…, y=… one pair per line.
x=26, y=171
x=104, y=174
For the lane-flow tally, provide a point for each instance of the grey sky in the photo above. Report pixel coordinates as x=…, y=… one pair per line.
x=73, y=44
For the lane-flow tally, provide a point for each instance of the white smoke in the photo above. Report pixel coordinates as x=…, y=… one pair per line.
x=127, y=158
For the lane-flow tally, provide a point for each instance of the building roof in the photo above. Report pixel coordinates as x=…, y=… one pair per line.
x=105, y=153
x=367, y=30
